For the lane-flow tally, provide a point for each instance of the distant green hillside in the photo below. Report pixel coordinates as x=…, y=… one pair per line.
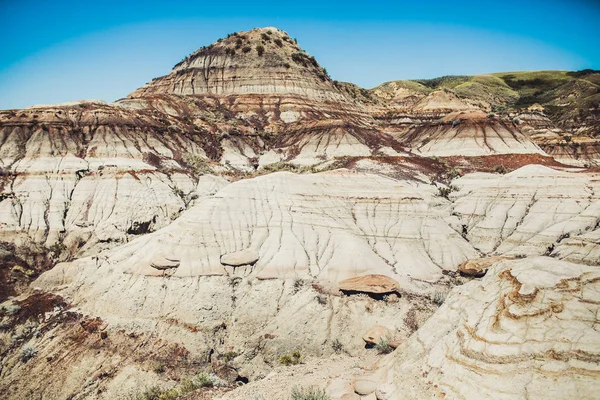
x=568, y=97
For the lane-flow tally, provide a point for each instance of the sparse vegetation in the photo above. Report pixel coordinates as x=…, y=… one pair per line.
x=383, y=346
x=151, y=393
x=391, y=298
x=187, y=386
x=410, y=320
x=159, y=368
x=229, y=356
x=57, y=249
x=500, y=169
x=337, y=346
x=27, y=353
x=438, y=298
x=444, y=191
x=298, y=285
x=199, y=165
x=321, y=299
x=293, y=358
x=260, y=49
x=309, y=393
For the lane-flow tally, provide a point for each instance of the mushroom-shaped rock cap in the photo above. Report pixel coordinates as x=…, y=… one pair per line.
x=478, y=266
x=239, y=258
x=161, y=261
x=376, y=334
x=376, y=284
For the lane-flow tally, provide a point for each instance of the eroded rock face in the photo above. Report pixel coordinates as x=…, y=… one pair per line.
x=525, y=330
x=91, y=173
x=526, y=212
x=331, y=226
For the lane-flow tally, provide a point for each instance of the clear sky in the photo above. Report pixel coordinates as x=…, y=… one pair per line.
x=56, y=51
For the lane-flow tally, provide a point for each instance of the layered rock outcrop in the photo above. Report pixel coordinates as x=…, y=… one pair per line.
x=510, y=335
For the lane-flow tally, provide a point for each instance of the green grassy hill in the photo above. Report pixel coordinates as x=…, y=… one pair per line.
x=571, y=99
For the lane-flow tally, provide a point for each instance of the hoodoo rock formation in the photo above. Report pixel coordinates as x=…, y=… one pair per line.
x=250, y=219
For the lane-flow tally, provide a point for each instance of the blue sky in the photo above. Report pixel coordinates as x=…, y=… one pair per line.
x=56, y=51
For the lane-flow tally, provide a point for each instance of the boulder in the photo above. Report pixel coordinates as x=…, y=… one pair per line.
x=364, y=386
x=239, y=258
x=376, y=334
x=372, y=284
x=478, y=266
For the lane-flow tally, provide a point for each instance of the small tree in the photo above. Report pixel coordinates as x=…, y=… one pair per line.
x=260, y=49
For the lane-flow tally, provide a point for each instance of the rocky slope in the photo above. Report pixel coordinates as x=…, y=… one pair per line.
x=512, y=326
x=245, y=206
x=557, y=109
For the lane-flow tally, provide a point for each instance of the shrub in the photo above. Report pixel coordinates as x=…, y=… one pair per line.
x=500, y=169
x=438, y=298
x=27, y=353
x=56, y=249
x=337, y=346
x=230, y=355
x=293, y=358
x=206, y=379
x=278, y=42
x=383, y=347
x=444, y=191
x=299, y=58
x=309, y=393
x=246, y=49
x=264, y=36
x=159, y=368
x=260, y=49
x=298, y=284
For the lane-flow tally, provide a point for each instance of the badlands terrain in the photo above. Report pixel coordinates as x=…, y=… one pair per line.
x=245, y=227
